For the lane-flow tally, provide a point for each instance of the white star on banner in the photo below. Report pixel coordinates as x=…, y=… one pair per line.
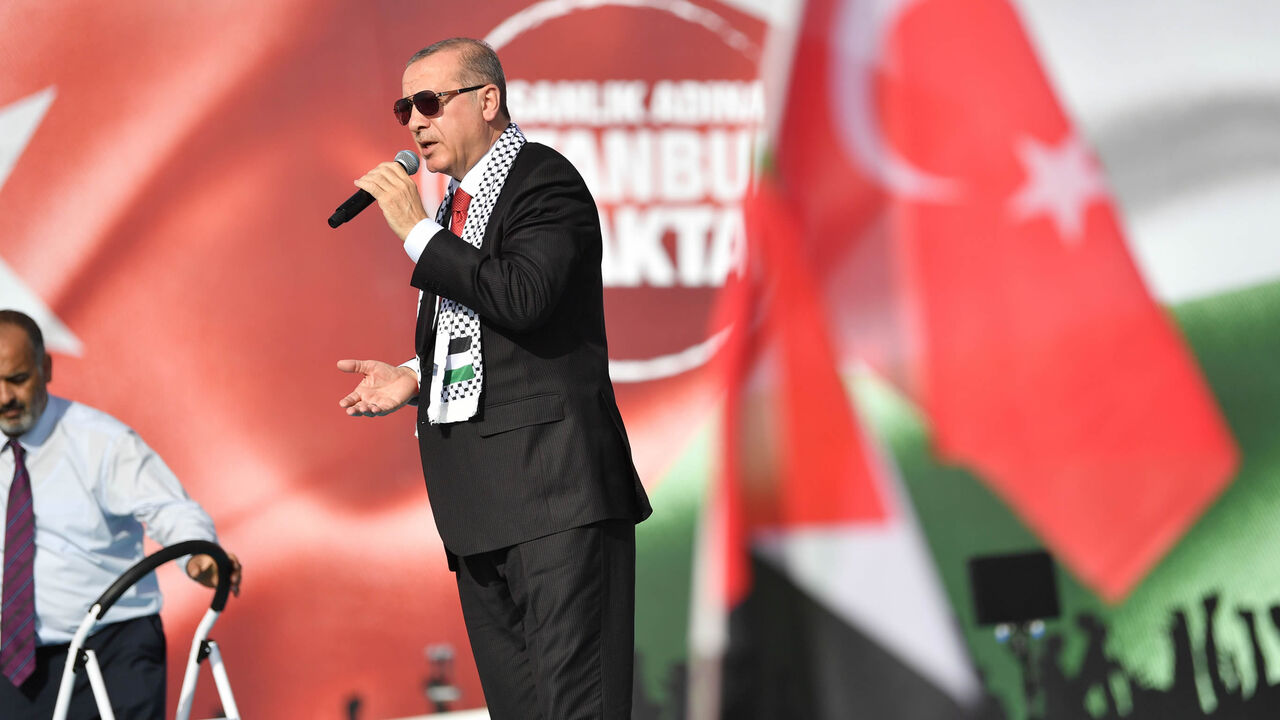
x=18, y=122
x=1061, y=182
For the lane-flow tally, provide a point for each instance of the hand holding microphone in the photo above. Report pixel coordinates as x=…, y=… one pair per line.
x=396, y=193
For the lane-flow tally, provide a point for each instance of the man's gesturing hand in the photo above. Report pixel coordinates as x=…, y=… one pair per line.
x=384, y=388
x=396, y=194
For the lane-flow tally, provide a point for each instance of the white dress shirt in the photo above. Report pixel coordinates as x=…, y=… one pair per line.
x=95, y=484
x=416, y=241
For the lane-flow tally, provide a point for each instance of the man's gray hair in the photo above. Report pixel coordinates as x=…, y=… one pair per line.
x=479, y=66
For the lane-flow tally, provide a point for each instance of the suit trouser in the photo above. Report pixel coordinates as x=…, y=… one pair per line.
x=132, y=657
x=552, y=623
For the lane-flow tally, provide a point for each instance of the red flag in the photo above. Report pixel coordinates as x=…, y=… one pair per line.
x=813, y=549
x=1028, y=334
x=795, y=455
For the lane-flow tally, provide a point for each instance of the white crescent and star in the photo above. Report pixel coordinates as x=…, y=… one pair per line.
x=857, y=41
x=1062, y=181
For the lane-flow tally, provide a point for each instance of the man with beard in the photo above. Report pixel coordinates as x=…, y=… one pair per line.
x=76, y=488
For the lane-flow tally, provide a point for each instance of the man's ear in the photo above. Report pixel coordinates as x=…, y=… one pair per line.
x=491, y=102
x=47, y=367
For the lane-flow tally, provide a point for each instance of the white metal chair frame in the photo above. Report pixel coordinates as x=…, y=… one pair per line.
x=201, y=646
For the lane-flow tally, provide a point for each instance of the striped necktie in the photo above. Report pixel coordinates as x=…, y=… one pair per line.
x=18, y=613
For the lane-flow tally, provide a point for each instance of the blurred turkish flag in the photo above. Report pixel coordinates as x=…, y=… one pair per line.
x=949, y=199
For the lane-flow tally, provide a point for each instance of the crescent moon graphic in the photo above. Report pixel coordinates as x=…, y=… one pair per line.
x=541, y=12
x=856, y=43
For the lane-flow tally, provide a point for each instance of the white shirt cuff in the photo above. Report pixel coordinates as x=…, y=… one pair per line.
x=416, y=241
x=413, y=365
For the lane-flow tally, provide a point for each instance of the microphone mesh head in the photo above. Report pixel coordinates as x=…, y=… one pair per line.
x=409, y=159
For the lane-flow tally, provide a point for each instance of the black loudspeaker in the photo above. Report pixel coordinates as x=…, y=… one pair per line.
x=1013, y=589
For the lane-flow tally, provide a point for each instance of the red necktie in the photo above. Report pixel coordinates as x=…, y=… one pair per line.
x=18, y=613
x=459, y=217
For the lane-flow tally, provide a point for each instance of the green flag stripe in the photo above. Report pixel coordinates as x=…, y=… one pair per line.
x=458, y=375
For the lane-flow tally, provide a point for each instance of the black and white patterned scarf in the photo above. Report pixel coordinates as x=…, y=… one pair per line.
x=457, y=368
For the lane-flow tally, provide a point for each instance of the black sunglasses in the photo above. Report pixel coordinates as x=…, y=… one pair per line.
x=427, y=102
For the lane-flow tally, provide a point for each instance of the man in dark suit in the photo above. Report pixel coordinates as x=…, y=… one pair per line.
x=525, y=456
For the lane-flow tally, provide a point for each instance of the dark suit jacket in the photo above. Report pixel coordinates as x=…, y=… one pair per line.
x=547, y=450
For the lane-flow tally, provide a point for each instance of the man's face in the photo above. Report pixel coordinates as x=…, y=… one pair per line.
x=23, y=379
x=455, y=139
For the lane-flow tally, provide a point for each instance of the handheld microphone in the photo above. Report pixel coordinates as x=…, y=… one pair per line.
x=408, y=159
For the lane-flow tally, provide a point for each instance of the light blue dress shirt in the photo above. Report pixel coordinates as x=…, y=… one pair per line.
x=95, y=484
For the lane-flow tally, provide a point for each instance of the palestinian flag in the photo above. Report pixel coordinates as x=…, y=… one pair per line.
x=457, y=364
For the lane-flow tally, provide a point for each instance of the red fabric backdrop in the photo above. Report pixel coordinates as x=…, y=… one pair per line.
x=169, y=210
